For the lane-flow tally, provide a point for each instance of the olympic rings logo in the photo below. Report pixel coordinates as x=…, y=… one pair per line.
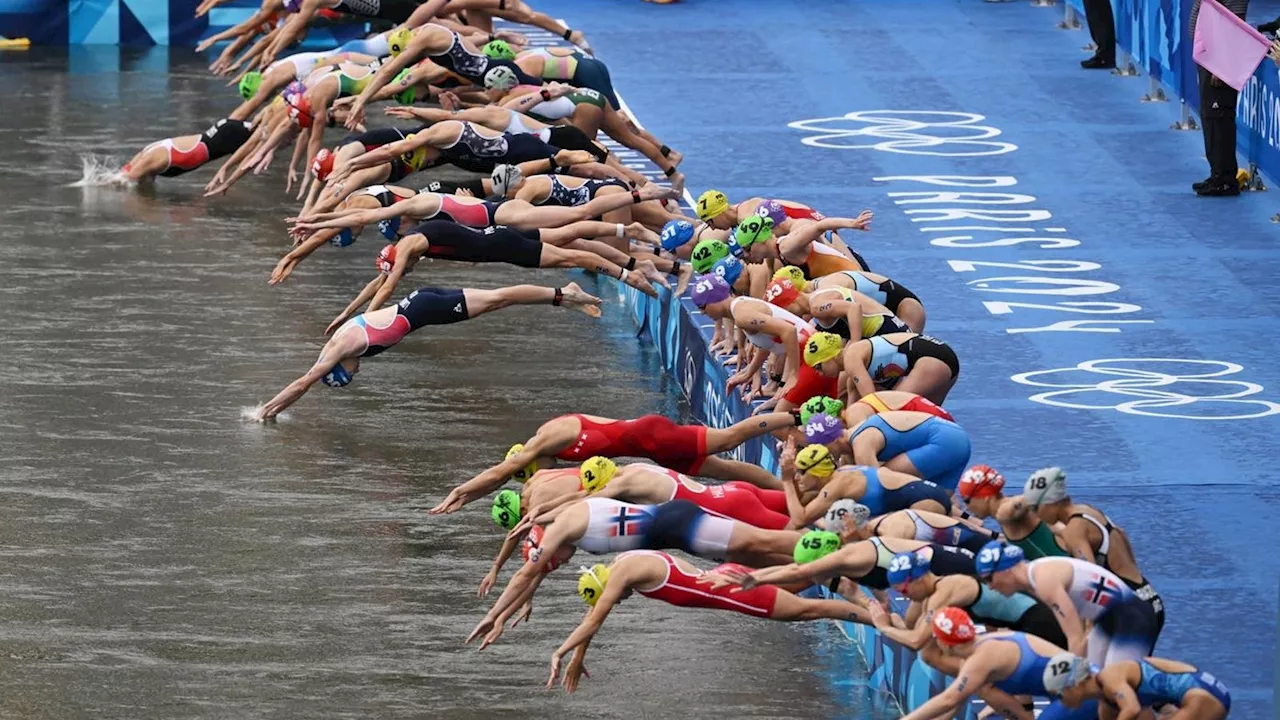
x=950, y=134
x=1153, y=389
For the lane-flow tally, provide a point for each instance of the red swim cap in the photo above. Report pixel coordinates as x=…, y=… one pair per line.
x=980, y=481
x=953, y=626
x=781, y=292
x=386, y=259
x=299, y=110
x=531, y=549
x=322, y=165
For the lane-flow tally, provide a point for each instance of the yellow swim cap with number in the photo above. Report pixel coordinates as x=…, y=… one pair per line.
x=526, y=472
x=792, y=273
x=710, y=204
x=596, y=472
x=591, y=583
x=399, y=40
x=816, y=460
x=821, y=347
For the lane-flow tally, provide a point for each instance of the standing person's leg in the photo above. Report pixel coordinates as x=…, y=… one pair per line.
x=1218, y=117
x=1102, y=27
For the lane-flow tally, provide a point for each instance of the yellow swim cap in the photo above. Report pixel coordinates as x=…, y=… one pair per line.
x=526, y=472
x=399, y=40
x=816, y=460
x=596, y=472
x=821, y=347
x=415, y=158
x=792, y=273
x=710, y=204
x=591, y=583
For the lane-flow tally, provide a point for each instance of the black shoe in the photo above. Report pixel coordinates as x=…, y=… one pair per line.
x=1220, y=188
x=1270, y=27
x=1097, y=63
x=1203, y=183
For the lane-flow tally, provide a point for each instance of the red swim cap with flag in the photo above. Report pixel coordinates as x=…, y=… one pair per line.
x=322, y=165
x=781, y=292
x=386, y=259
x=953, y=626
x=980, y=481
x=532, y=548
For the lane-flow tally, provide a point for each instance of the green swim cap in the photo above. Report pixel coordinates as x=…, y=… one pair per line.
x=506, y=509
x=706, y=253
x=406, y=96
x=755, y=229
x=499, y=50
x=250, y=83
x=818, y=405
x=815, y=545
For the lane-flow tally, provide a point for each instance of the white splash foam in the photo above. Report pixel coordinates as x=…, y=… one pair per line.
x=101, y=172
x=250, y=414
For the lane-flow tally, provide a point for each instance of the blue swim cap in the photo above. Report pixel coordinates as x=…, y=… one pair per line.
x=390, y=229
x=905, y=567
x=822, y=429
x=734, y=248
x=996, y=556
x=729, y=268
x=676, y=233
x=344, y=238
x=339, y=376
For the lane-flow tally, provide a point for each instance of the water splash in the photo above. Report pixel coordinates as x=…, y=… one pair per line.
x=101, y=172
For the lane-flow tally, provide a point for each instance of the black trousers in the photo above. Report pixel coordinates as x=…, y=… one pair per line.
x=1102, y=26
x=1218, y=119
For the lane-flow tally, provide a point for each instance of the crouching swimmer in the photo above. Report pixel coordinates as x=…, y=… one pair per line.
x=1125, y=689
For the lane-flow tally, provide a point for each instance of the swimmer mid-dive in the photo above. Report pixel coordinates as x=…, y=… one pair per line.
x=369, y=334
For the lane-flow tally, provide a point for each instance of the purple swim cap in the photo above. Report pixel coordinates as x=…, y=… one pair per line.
x=709, y=288
x=292, y=90
x=822, y=429
x=292, y=6
x=772, y=209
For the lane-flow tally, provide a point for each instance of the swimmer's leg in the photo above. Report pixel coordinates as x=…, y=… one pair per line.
x=911, y=312
x=337, y=192
x=931, y=378
x=570, y=296
x=722, y=469
x=790, y=608
x=724, y=439
x=622, y=130
x=149, y=162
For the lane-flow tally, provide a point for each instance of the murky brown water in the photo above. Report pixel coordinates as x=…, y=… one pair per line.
x=162, y=558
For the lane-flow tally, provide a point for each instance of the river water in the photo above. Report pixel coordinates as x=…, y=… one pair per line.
x=162, y=557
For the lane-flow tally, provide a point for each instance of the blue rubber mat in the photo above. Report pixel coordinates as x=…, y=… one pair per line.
x=1107, y=320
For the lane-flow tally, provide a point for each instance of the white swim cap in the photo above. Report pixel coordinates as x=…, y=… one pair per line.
x=1064, y=671
x=499, y=77
x=845, y=515
x=1047, y=485
x=505, y=177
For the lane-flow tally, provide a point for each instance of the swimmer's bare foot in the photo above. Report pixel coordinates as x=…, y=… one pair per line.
x=677, y=181
x=575, y=298
x=577, y=38
x=636, y=231
x=683, y=278
x=676, y=157
x=650, y=271
x=654, y=191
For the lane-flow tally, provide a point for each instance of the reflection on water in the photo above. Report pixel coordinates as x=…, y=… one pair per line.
x=162, y=558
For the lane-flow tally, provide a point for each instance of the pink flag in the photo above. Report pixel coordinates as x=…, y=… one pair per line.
x=1227, y=46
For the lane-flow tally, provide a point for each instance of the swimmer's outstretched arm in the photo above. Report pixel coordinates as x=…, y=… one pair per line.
x=357, y=217
x=385, y=74
x=580, y=638
x=509, y=545
x=973, y=676
x=334, y=352
x=291, y=30
x=351, y=308
x=284, y=268
x=804, y=235
x=291, y=174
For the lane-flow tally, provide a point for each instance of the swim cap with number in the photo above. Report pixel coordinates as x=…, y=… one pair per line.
x=709, y=289
x=773, y=210
x=755, y=229
x=386, y=259
x=500, y=77
x=250, y=83
x=506, y=509
x=398, y=41
x=499, y=50
x=591, y=583
x=996, y=557
x=845, y=515
x=822, y=429
x=1047, y=485
x=526, y=472
x=820, y=404
x=505, y=177
x=815, y=460
x=300, y=110
x=710, y=204
x=1064, y=671
x=980, y=481
x=729, y=268
x=706, y=253
x=821, y=347
x=339, y=376
x=596, y=472
x=792, y=273
x=532, y=548
x=675, y=234
x=781, y=292
x=953, y=626
x=390, y=228
x=815, y=545
x=344, y=238
x=908, y=566
x=322, y=165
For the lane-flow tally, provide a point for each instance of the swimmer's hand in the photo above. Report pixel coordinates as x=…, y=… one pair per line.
x=290, y=179
x=401, y=111
x=337, y=322
x=487, y=582
x=511, y=37
x=863, y=221
x=559, y=89
x=453, y=502
x=574, y=157
x=725, y=577
x=283, y=270
x=481, y=628
x=356, y=115
x=464, y=192
x=738, y=378
x=523, y=615
x=767, y=405
x=879, y=617
x=449, y=102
